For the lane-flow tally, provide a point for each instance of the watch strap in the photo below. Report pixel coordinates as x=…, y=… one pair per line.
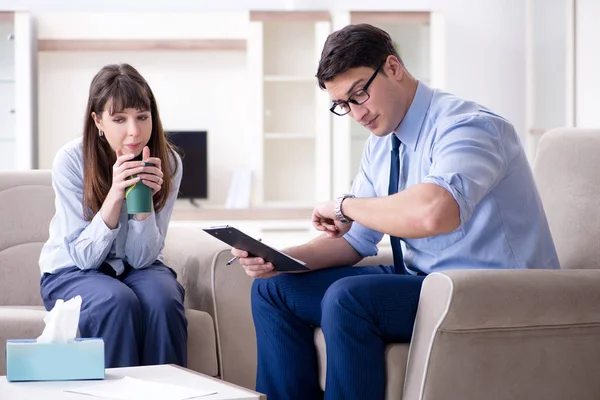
x=338, y=208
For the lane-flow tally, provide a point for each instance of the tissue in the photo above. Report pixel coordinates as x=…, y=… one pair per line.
x=56, y=354
x=61, y=322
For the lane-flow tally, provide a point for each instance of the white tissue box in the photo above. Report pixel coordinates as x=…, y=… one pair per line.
x=27, y=360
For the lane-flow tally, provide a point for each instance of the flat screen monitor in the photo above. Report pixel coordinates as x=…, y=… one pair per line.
x=192, y=147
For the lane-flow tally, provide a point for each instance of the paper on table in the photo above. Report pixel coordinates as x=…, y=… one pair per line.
x=137, y=389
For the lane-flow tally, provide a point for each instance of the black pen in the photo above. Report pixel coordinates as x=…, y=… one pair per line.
x=236, y=257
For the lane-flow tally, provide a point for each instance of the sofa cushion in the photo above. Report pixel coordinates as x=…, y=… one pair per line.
x=396, y=356
x=20, y=275
x=27, y=202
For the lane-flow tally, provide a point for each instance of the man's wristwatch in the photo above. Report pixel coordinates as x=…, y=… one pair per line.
x=338, y=208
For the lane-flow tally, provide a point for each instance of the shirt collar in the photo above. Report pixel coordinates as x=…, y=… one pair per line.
x=410, y=127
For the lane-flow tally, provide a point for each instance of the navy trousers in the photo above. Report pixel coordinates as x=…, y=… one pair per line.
x=139, y=313
x=360, y=309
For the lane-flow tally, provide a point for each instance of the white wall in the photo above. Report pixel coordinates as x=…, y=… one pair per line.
x=587, y=79
x=485, y=49
x=547, y=65
x=550, y=34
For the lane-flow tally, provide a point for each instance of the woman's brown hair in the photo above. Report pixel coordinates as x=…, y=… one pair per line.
x=120, y=86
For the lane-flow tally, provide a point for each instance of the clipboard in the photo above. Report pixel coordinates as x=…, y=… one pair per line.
x=238, y=239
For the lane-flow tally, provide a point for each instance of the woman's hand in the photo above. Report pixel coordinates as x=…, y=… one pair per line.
x=152, y=176
x=123, y=169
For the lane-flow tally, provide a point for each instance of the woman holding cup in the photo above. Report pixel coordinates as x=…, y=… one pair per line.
x=98, y=249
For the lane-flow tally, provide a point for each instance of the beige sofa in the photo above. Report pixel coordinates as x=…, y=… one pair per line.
x=482, y=334
x=478, y=335
x=26, y=207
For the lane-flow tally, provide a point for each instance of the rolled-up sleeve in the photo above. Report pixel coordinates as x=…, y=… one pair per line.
x=363, y=240
x=467, y=159
x=146, y=238
x=87, y=243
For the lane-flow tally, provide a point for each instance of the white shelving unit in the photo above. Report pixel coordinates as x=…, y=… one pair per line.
x=419, y=39
x=562, y=62
x=585, y=62
x=549, y=60
x=7, y=91
x=292, y=125
x=17, y=91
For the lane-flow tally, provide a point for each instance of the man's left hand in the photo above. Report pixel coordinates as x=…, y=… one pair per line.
x=324, y=220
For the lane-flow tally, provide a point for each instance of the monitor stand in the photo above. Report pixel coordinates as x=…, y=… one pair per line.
x=193, y=201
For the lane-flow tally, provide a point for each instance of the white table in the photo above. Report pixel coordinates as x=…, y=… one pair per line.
x=157, y=373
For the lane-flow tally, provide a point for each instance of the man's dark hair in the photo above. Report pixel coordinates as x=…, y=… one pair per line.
x=354, y=46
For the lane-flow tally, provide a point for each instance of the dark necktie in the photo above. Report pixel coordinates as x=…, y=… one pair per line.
x=393, y=189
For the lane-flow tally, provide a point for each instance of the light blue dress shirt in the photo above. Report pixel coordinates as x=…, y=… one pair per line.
x=477, y=156
x=74, y=241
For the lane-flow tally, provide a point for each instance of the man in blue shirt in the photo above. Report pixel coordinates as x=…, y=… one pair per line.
x=446, y=175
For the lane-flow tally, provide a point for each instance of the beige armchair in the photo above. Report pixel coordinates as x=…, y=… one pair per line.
x=484, y=334
x=26, y=208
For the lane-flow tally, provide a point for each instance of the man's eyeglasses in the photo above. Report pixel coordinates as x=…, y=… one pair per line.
x=359, y=97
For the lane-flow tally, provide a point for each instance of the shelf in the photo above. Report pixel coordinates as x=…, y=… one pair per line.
x=6, y=80
x=289, y=107
x=142, y=44
x=7, y=16
x=289, y=16
x=400, y=17
x=290, y=78
x=279, y=39
x=6, y=139
x=292, y=205
x=285, y=211
x=289, y=173
x=289, y=136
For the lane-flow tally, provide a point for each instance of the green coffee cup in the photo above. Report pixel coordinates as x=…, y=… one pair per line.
x=139, y=197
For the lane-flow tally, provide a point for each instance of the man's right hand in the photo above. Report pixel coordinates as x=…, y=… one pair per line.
x=255, y=267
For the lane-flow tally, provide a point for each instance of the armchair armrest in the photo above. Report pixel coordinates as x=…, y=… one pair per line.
x=222, y=291
x=190, y=252
x=235, y=327
x=19, y=323
x=520, y=334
